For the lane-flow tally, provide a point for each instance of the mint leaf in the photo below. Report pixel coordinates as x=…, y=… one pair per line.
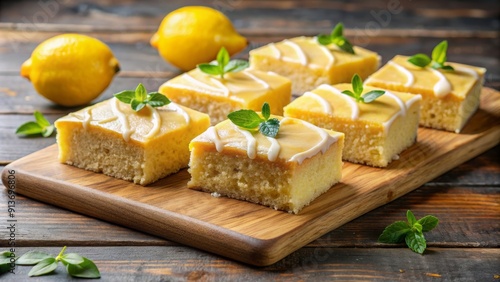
x=394, y=233
x=140, y=93
x=411, y=231
x=236, y=66
x=439, y=52
x=156, y=99
x=338, y=30
x=270, y=127
x=29, y=128
x=137, y=105
x=324, y=39
x=72, y=258
x=210, y=69
x=86, y=269
x=372, y=95
x=357, y=87
x=40, y=126
x=223, y=64
x=40, y=119
x=247, y=119
x=139, y=98
x=32, y=257
x=336, y=37
x=5, y=261
x=438, y=58
x=420, y=60
x=266, y=111
x=411, y=218
x=44, y=267
x=416, y=242
x=125, y=96
x=428, y=222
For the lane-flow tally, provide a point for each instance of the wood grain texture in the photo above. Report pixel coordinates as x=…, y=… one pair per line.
x=307, y=264
x=167, y=209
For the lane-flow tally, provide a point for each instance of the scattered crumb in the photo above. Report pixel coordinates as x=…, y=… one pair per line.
x=496, y=276
x=8, y=92
x=27, y=98
x=395, y=157
x=433, y=274
x=215, y=194
x=401, y=271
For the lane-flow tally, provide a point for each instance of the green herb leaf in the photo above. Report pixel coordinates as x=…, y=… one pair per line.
x=438, y=58
x=210, y=69
x=416, y=242
x=236, y=66
x=5, y=261
x=32, y=257
x=428, y=222
x=247, y=119
x=324, y=39
x=86, y=269
x=72, y=258
x=156, y=99
x=343, y=44
x=420, y=60
x=223, y=57
x=266, y=111
x=411, y=231
x=139, y=98
x=40, y=119
x=40, y=126
x=372, y=95
x=357, y=85
x=140, y=93
x=439, y=52
x=336, y=37
x=270, y=127
x=223, y=64
x=29, y=128
x=125, y=96
x=394, y=233
x=410, y=217
x=338, y=30
x=350, y=94
x=44, y=267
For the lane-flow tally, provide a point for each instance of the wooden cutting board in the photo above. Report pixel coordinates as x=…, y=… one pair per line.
x=244, y=231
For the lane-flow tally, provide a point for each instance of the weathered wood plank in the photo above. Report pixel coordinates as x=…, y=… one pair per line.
x=308, y=264
x=476, y=225
x=257, y=16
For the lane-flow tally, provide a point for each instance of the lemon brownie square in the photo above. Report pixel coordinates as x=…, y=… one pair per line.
x=449, y=98
x=286, y=172
x=309, y=64
x=375, y=133
x=247, y=89
x=142, y=147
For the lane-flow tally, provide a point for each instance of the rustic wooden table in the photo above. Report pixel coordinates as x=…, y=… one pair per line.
x=464, y=247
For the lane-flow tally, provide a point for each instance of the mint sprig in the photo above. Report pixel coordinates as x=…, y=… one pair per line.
x=357, y=87
x=412, y=232
x=76, y=265
x=250, y=120
x=139, y=98
x=5, y=265
x=223, y=64
x=438, y=58
x=41, y=126
x=336, y=37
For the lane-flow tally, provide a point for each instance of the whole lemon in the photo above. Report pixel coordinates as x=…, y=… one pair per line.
x=71, y=69
x=192, y=35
